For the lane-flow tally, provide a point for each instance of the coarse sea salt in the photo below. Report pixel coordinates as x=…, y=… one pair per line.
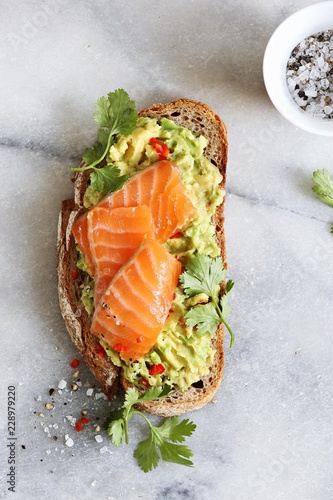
x=309, y=75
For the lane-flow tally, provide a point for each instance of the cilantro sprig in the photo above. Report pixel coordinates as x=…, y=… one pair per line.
x=115, y=114
x=205, y=274
x=323, y=187
x=162, y=442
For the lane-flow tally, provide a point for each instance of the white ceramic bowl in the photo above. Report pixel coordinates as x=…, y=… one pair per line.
x=291, y=32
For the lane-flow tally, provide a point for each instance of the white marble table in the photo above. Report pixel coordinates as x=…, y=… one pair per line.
x=269, y=435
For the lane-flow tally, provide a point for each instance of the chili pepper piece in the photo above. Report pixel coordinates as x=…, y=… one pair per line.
x=75, y=363
x=160, y=147
x=157, y=369
x=81, y=423
x=119, y=347
x=144, y=382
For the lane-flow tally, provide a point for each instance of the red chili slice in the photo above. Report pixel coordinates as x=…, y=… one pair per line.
x=81, y=423
x=144, y=382
x=157, y=369
x=119, y=347
x=177, y=235
x=75, y=363
x=74, y=274
x=160, y=147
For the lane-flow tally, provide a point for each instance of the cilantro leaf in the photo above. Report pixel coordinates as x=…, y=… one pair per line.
x=146, y=454
x=115, y=114
x=107, y=179
x=224, y=299
x=204, y=317
x=116, y=430
x=176, y=431
x=154, y=393
x=131, y=397
x=93, y=154
x=323, y=186
x=203, y=275
x=102, y=117
x=122, y=114
x=177, y=453
x=162, y=441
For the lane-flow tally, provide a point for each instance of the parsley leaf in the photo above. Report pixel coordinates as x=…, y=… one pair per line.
x=115, y=114
x=205, y=274
x=323, y=187
x=162, y=442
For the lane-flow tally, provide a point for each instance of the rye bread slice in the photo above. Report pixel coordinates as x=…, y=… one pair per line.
x=201, y=119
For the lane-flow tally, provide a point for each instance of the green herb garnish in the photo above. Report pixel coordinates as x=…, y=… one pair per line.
x=162, y=442
x=323, y=187
x=205, y=274
x=116, y=114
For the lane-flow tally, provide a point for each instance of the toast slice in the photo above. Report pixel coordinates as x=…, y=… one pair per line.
x=201, y=119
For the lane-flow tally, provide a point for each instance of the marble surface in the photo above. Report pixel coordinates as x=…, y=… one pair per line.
x=269, y=433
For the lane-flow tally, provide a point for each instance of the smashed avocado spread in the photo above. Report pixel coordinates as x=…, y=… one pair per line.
x=185, y=354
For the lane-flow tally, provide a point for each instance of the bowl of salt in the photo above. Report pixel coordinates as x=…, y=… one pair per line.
x=298, y=68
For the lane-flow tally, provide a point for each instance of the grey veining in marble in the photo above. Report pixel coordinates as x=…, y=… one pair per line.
x=269, y=433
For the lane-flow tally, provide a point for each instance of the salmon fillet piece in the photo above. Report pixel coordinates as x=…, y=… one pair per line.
x=133, y=310
x=158, y=186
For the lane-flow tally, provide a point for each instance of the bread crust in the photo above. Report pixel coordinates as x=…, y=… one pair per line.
x=201, y=119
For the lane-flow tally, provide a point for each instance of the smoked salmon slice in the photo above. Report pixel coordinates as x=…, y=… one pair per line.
x=133, y=310
x=158, y=186
x=114, y=236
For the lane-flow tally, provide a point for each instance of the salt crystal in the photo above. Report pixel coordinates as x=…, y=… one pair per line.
x=89, y=392
x=62, y=384
x=314, y=73
x=300, y=70
x=103, y=450
x=304, y=76
x=291, y=83
x=300, y=101
x=328, y=110
x=99, y=438
x=326, y=67
x=100, y=395
x=320, y=61
x=324, y=83
x=94, y=483
x=48, y=452
x=71, y=419
x=69, y=442
x=311, y=92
